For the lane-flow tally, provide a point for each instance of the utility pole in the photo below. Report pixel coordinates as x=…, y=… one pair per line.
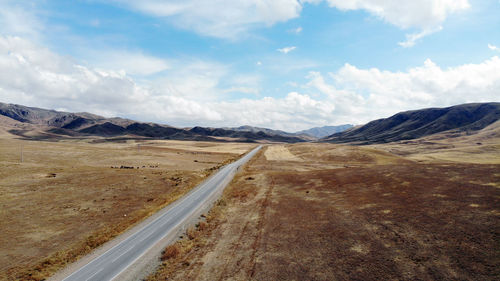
x=22, y=153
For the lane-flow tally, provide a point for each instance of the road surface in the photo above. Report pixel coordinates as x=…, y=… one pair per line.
x=116, y=260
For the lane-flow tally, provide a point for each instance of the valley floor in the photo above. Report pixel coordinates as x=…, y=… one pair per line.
x=66, y=198
x=332, y=212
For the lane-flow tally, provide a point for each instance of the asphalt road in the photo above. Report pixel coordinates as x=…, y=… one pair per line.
x=117, y=259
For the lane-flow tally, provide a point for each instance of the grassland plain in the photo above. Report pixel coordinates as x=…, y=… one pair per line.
x=334, y=212
x=68, y=197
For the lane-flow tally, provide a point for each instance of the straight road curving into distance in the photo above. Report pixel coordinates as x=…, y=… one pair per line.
x=116, y=260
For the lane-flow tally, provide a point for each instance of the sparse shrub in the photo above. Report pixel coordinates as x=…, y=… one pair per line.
x=242, y=193
x=170, y=252
x=202, y=226
x=221, y=202
x=191, y=233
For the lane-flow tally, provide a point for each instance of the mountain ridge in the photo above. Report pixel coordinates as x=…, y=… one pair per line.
x=419, y=123
x=66, y=124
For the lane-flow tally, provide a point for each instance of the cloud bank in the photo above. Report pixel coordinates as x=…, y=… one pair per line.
x=35, y=76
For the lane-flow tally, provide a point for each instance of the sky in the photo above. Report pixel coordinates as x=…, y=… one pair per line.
x=281, y=64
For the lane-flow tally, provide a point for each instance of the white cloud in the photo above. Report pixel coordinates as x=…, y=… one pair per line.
x=196, y=80
x=230, y=19
x=426, y=15
x=286, y=50
x=20, y=18
x=244, y=90
x=293, y=112
x=296, y=30
x=218, y=18
x=493, y=48
x=35, y=76
x=246, y=84
x=24, y=19
x=187, y=95
x=411, y=39
x=131, y=62
x=372, y=93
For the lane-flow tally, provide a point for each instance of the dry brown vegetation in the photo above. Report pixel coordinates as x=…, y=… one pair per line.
x=178, y=256
x=455, y=147
x=69, y=197
x=336, y=212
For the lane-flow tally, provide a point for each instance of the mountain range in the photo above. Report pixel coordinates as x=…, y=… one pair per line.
x=47, y=124
x=42, y=124
x=321, y=132
x=311, y=134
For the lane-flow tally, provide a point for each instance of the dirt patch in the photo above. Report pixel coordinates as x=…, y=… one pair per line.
x=385, y=218
x=280, y=153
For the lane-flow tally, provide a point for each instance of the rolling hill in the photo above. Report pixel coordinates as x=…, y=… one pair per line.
x=49, y=124
x=419, y=123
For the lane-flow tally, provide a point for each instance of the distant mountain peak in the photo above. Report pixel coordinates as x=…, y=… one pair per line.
x=321, y=132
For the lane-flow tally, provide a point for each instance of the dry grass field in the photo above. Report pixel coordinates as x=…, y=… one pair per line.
x=332, y=212
x=68, y=197
x=480, y=148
